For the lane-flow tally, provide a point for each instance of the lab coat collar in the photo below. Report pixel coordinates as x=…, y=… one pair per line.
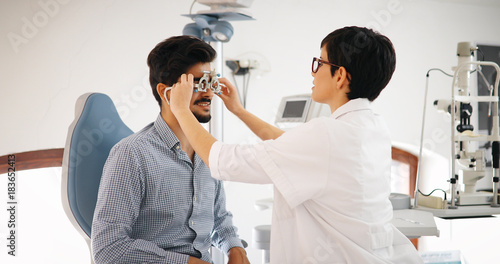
x=350, y=106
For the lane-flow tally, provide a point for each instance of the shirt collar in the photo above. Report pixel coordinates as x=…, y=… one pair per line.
x=352, y=105
x=165, y=132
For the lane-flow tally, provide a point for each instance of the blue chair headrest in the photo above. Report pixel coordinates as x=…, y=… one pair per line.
x=96, y=129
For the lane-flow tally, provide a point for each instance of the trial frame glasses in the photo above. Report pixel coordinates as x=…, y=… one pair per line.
x=210, y=80
x=317, y=62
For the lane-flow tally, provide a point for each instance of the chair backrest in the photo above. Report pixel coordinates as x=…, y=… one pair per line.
x=405, y=157
x=96, y=129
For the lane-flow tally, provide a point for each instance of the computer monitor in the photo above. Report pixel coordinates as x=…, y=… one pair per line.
x=298, y=109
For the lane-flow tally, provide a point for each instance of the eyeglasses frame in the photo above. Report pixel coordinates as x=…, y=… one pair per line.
x=320, y=62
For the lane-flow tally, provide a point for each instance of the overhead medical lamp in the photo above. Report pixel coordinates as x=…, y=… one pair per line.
x=209, y=28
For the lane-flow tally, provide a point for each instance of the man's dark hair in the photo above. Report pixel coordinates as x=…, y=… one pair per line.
x=368, y=57
x=173, y=57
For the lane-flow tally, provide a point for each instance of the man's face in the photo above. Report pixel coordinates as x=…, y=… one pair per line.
x=200, y=102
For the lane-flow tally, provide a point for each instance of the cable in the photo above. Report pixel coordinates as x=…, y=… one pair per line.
x=480, y=51
x=422, y=130
x=245, y=88
x=238, y=89
x=236, y=69
x=488, y=86
x=436, y=69
x=191, y=9
x=444, y=192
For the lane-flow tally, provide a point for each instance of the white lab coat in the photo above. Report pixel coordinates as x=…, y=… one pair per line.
x=332, y=185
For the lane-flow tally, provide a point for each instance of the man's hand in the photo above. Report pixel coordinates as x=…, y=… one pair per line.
x=230, y=96
x=237, y=255
x=181, y=93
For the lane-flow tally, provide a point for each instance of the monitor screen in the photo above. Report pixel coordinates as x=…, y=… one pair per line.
x=294, y=109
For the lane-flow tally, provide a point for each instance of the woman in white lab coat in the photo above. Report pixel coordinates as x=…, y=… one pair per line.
x=331, y=175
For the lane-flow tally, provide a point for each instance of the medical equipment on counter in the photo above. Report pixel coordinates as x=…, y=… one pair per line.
x=468, y=163
x=298, y=109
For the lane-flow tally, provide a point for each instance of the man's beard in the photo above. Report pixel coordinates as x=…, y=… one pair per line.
x=202, y=118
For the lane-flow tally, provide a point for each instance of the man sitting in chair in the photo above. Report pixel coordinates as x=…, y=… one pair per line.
x=157, y=202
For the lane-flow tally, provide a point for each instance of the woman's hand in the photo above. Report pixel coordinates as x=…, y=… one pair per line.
x=181, y=93
x=230, y=96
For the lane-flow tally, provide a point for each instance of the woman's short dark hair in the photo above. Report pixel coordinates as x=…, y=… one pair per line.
x=368, y=57
x=173, y=57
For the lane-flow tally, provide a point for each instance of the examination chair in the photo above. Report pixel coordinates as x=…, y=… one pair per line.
x=96, y=129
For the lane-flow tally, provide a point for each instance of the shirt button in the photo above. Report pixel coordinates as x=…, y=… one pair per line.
x=192, y=222
x=195, y=198
x=178, y=147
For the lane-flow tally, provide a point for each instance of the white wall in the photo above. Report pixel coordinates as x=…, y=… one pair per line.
x=52, y=51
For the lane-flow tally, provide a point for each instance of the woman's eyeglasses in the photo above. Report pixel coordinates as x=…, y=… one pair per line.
x=317, y=62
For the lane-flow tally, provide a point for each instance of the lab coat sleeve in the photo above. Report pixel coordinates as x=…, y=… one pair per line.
x=296, y=163
x=237, y=163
